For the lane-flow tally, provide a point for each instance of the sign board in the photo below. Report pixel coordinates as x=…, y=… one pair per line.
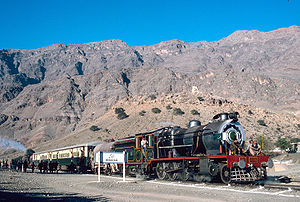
x=113, y=157
x=110, y=157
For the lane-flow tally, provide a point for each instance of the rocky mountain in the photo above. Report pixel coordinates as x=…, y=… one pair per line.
x=50, y=92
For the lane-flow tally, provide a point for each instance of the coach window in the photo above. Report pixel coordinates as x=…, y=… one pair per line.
x=137, y=142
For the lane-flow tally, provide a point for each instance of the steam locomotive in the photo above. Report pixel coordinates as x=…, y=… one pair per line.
x=193, y=153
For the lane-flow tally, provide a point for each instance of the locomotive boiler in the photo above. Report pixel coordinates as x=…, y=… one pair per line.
x=209, y=139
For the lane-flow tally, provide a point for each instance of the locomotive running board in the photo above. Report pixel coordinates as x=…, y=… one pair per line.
x=168, y=147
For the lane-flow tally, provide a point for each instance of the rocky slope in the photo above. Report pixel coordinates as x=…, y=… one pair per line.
x=277, y=124
x=50, y=92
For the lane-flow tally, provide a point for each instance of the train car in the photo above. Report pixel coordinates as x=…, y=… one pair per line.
x=199, y=151
x=80, y=155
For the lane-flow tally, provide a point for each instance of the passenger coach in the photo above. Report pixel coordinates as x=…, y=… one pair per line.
x=80, y=155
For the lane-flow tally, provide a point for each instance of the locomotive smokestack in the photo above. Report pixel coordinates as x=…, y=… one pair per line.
x=224, y=116
x=194, y=123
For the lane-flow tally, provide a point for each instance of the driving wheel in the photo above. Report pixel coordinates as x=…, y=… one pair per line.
x=173, y=175
x=161, y=172
x=225, y=174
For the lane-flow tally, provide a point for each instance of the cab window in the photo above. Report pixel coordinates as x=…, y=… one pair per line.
x=137, y=142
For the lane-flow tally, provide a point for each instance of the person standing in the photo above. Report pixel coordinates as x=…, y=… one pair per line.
x=20, y=164
x=25, y=165
x=51, y=166
x=56, y=165
x=144, y=144
x=32, y=166
x=41, y=166
x=72, y=167
x=45, y=166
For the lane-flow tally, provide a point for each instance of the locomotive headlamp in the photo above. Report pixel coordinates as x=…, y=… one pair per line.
x=232, y=135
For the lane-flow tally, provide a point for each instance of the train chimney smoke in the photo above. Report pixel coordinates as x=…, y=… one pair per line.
x=11, y=144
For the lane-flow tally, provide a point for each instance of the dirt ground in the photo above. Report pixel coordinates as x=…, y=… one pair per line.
x=286, y=165
x=18, y=186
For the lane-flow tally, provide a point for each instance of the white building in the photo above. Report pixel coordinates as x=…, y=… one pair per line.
x=296, y=147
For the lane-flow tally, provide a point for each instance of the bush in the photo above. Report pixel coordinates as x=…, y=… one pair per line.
x=261, y=122
x=152, y=97
x=156, y=110
x=122, y=115
x=94, y=128
x=119, y=110
x=283, y=143
x=178, y=111
x=265, y=143
x=142, y=113
x=195, y=112
x=168, y=107
x=201, y=99
x=295, y=140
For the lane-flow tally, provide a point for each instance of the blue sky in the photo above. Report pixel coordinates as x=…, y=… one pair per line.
x=32, y=24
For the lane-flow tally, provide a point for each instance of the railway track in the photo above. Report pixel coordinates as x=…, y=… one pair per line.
x=282, y=186
x=275, y=183
x=281, y=182
x=278, y=182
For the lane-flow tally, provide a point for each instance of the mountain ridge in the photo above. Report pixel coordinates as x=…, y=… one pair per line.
x=52, y=91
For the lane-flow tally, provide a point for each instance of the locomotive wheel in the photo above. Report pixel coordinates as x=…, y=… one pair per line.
x=225, y=174
x=213, y=169
x=264, y=174
x=185, y=175
x=173, y=175
x=161, y=172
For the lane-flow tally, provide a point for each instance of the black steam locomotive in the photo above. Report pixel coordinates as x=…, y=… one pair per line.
x=194, y=153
